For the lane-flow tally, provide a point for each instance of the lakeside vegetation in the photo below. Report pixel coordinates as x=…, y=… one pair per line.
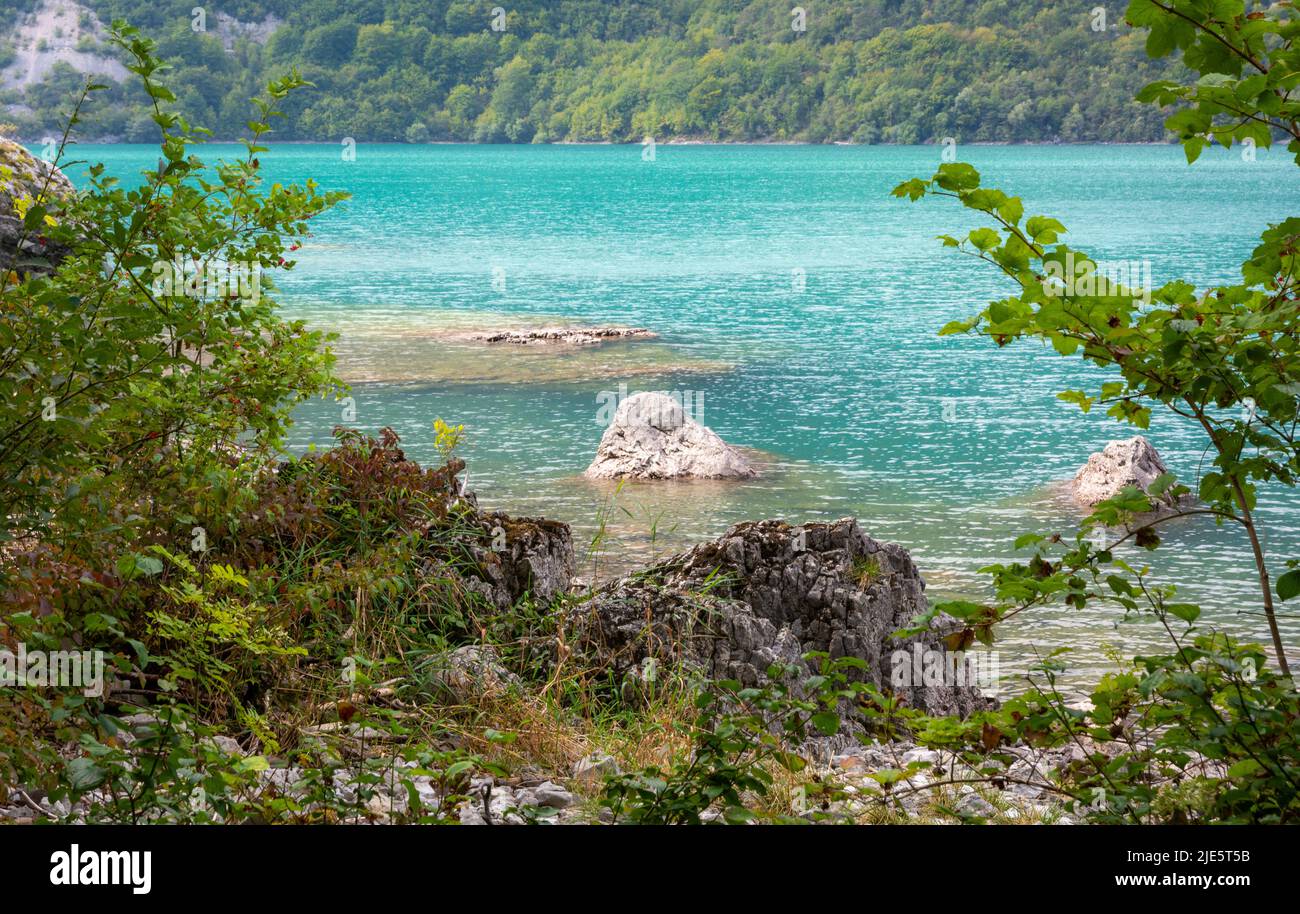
x=876, y=71
x=264, y=615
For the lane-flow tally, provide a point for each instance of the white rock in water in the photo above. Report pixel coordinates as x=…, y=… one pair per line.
x=1133, y=462
x=651, y=437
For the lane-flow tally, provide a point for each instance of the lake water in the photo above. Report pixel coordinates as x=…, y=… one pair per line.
x=801, y=302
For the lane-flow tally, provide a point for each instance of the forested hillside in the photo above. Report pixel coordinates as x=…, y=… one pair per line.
x=901, y=71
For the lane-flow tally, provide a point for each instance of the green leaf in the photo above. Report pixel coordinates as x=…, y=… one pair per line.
x=1065, y=345
x=1245, y=768
x=985, y=238
x=148, y=565
x=826, y=722
x=957, y=176
x=162, y=93
x=1161, y=484
x=1078, y=398
x=912, y=190
x=1288, y=585
x=84, y=774
x=1186, y=611
x=960, y=609
x=1044, y=229
x=1012, y=210
x=133, y=565
x=954, y=327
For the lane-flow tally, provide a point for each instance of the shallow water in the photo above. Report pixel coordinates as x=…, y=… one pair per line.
x=801, y=301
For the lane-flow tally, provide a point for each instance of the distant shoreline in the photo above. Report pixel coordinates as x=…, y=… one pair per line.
x=678, y=141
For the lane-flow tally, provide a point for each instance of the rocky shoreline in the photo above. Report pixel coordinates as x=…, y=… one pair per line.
x=787, y=590
x=762, y=596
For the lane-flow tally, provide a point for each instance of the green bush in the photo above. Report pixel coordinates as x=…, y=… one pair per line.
x=1208, y=731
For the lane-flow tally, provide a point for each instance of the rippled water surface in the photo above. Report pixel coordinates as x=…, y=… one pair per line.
x=800, y=299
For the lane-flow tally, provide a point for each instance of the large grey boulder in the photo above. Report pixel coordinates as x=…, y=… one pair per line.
x=25, y=177
x=1132, y=462
x=767, y=591
x=651, y=437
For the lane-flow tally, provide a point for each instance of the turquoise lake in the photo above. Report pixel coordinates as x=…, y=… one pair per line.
x=790, y=290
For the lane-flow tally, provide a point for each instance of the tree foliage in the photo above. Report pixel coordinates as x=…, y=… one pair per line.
x=1226, y=359
x=157, y=340
x=891, y=71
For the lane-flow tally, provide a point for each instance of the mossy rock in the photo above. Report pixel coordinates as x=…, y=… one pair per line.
x=25, y=180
